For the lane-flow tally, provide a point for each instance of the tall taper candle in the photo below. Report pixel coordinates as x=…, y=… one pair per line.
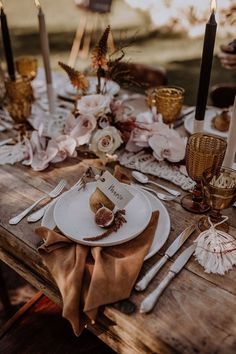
x=7, y=45
x=205, y=72
x=231, y=141
x=46, y=57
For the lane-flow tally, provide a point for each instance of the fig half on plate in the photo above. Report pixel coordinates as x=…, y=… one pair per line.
x=221, y=121
x=104, y=217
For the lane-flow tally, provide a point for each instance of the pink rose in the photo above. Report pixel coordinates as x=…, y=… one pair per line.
x=169, y=146
x=94, y=105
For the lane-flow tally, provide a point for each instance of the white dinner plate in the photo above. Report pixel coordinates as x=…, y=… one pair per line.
x=75, y=219
x=163, y=227
x=68, y=90
x=161, y=234
x=208, y=124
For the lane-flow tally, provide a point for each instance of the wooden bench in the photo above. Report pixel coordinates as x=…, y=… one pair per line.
x=4, y=297
x=38, y=327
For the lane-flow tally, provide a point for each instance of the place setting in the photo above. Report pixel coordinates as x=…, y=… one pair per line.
x=216, y=121
x=78, y=209
x=131, y=225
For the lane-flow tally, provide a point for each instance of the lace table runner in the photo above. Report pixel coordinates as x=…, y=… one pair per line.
x=147, y=163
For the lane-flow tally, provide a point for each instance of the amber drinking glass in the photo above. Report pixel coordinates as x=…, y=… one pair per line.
x=203, y=152
x=168, y=101
x=27, y=67
x=220, y=193
x=19, y=110
x=19, y=99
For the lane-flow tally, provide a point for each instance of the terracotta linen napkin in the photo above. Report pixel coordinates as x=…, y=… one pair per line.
x=89, y=277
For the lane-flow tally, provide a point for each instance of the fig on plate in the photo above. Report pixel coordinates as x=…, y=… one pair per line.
x=99, y=199
x=221, y=121
x=104, y=217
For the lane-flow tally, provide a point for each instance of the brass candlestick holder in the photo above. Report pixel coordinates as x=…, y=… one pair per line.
x=2, y=86
x=19, y=110
x=168, y=101
x=203, y=152
x=220, y=192
x=19, y=89
x=19, y=99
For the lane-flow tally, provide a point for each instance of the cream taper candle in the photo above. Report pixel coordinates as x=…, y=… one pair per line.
x=231, y=141
x=46, y=57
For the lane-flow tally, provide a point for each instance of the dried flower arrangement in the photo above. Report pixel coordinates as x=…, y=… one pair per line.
x=101, y=120
x=107, y=122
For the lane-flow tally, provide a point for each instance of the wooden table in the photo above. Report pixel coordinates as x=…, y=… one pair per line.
x=196, y=313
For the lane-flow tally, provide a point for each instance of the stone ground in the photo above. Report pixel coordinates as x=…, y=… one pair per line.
x=178, y=54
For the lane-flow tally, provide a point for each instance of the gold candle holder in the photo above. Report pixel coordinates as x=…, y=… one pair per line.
x=27, y=67
x=2, y=87
x=19, y=110
x=168, y=101
x=19, y=89
x=19, y=95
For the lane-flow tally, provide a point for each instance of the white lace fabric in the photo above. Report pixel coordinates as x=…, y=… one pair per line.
x=146, y=163
x=10, y=154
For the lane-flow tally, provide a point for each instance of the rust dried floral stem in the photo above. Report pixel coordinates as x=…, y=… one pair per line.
x=99, y=74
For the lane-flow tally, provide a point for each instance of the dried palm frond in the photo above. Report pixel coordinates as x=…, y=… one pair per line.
x=119, y=70
x=77, y=79
x=99, y=54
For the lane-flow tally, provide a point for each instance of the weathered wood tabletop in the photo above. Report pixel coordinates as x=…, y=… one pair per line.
x=195, y=314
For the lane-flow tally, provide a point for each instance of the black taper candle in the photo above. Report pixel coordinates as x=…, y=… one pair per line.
x=7, y=45
x=206, y=65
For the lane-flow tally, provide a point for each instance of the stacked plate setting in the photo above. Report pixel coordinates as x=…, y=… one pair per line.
x=74, y=218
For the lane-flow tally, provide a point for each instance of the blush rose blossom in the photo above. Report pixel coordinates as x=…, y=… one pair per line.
x=105, y=141
x=94, y=105
x=165, y=142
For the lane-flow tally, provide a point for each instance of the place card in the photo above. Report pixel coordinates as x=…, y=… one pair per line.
x=114, y=190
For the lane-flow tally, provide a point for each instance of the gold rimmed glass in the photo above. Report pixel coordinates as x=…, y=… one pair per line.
x=168, y=101
x=203, y=152
x=27, y=67
x=220, y=193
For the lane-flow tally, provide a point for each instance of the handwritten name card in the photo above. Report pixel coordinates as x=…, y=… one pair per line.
x=114, y=190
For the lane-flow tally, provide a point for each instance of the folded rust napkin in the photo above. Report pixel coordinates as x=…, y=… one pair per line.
x=89, y=277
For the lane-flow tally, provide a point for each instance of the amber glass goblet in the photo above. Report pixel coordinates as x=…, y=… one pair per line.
x=27, y=67
x=203, y=152
x=220, y=192
x=169, y=101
